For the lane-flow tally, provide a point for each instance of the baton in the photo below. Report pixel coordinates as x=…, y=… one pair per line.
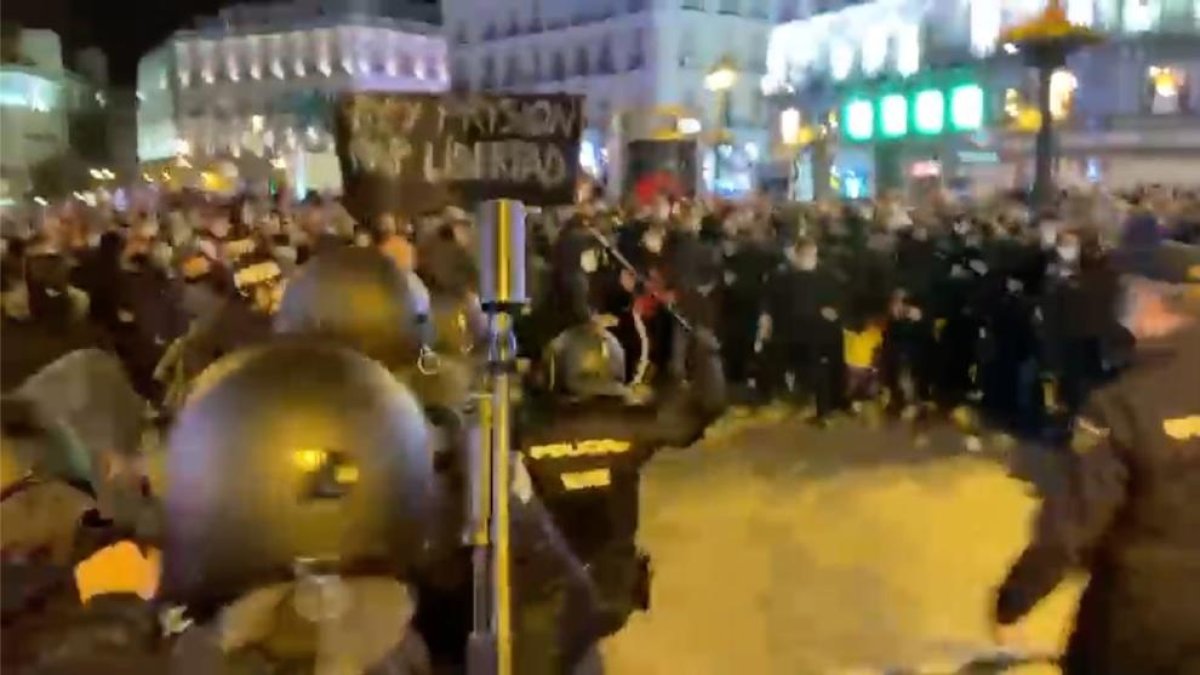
x=628, y=266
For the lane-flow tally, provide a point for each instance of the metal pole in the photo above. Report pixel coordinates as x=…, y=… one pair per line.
x=502, y=291
x=1043, y=177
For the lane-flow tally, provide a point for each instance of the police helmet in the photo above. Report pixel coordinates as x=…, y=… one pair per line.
x=288, y=456
x=587, y=361
x=357, y=297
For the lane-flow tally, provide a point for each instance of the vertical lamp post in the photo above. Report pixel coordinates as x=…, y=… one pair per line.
x=1045, y=42
x=720, y=80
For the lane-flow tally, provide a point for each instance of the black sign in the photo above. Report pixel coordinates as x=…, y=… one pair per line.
x=416, y=152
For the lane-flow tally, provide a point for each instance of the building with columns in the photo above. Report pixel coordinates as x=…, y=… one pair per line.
x=853, y=112
x=245, y=95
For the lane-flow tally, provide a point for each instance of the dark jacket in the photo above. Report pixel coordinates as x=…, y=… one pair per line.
x=1127, y=515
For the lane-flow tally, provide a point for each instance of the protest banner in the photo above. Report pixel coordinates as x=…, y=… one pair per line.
x=413, y=153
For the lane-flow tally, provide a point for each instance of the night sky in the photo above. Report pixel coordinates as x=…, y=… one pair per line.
x=124, y=29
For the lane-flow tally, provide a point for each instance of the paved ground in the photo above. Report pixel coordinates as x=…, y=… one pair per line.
x=783, y=549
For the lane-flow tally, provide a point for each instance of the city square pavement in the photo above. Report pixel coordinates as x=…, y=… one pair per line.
x=780, y=548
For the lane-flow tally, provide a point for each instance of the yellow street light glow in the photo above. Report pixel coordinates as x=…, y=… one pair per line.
x=308, y=459
x=722, y=77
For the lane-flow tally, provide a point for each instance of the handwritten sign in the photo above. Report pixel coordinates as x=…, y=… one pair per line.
x=416, y=152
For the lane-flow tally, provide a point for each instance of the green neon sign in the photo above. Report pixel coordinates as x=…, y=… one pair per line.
x=859, y=120
x=966, y=107
x=893, y=115
x=929, y=112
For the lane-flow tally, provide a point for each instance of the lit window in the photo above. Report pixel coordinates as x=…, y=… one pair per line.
x=1062, y=93
x=874, y=49
x=1168, y=90
x=985, y=20
x=966, y=107
x=841, y=60
x=908, y=50
x=1140, y=15
x=860, y=120
x=929, y=112
x=1082, y=12
x=893, y=113
x=789, y=126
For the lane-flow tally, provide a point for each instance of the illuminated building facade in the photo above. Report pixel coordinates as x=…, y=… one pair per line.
x=251, y=88
x=628, y=58
x=886, y=72
x=48, y=112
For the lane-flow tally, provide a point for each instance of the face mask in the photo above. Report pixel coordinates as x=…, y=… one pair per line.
x=1049, y=237
x=653, y=242
x=1068, y=253
x=806, y=262
x=286, y=254
x=588, y=261
x=162, y=254
x=961, y=228
x=16, y=302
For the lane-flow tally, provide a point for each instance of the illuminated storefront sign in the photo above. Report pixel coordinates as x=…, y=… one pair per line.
x=930, y=107
x=860, y=120
x=960, y=107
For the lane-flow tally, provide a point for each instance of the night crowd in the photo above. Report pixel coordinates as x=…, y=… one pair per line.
x=908, y=310
x=321, y=467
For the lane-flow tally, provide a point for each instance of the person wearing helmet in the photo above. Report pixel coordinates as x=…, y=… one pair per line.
x=240, y=320
x=297, y=505
x=359, y=298
x=61, y=599
x=586, y=442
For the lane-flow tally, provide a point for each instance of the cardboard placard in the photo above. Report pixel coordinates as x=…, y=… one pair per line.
x=413, y=153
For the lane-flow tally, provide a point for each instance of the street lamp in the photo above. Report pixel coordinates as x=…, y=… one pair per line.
x=1045, y=42
x=720, y=80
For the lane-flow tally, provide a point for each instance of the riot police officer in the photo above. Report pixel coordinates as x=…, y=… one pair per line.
x=1126, y=513
x=300, y=493
x=359, y=298
x=72, y=490
x=587, y=442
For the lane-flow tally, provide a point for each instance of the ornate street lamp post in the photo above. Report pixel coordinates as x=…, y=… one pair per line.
x=1045, y=42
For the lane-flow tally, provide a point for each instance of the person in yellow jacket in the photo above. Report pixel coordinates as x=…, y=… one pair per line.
x=860, y=353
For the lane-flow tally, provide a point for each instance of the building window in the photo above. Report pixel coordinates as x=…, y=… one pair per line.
x=1168, y=91
x=1140, y=15
x=558, y=67
x=730, y=7
x=535, y=18
x=637, y=51
x=583, y=65
x=488, y=79
x=535, y=67
x=514, y=27
x=489, y=32
x=1063, y=85
x=687, y=51
x=459, y=78
x=460, y=35
x=697, y=5
x=604, y=63
x=512, y=71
